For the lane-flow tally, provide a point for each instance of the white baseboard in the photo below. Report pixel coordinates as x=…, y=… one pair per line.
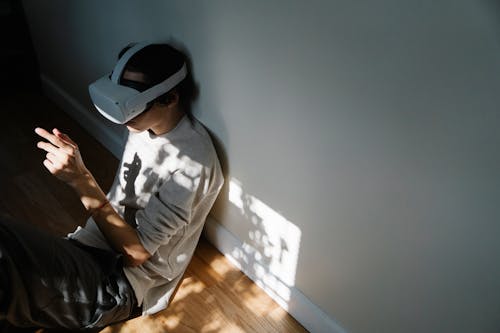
x=298, y=305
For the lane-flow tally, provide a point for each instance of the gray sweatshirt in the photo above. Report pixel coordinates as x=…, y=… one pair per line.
x=165, y=187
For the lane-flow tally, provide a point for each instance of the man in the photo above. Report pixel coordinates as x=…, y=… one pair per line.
x=140, y=237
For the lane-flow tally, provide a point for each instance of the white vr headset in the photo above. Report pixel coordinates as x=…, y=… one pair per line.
x=120, y=103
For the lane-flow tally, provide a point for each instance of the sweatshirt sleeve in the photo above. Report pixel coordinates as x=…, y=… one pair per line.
x=167, y=211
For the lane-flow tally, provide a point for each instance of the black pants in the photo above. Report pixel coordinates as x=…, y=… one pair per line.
x=52, y=282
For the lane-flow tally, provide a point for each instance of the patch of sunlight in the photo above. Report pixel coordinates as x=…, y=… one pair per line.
x=189, y=286
x=220, y=266
x=271, y=250
x=256, y=300
x=213, y=326
x=145, y=324
x=232, y=328
x=172, y=321
x=221, y=326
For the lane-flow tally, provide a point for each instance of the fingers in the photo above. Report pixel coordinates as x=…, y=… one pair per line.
x=55, y=139
x=58, y=159
x=49, y=137
x=53, y=159
x=64, y=137
x=53, y=165
x=49, y=148
x=49, y=166
x=59, y=151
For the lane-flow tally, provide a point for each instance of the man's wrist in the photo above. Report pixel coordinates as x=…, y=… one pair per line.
x=91, y=195
x=96, y=210
x=83, y=180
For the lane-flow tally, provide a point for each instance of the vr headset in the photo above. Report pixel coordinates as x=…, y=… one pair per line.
x=120, y=103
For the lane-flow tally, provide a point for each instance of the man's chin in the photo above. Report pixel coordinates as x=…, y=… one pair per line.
x=134, y=129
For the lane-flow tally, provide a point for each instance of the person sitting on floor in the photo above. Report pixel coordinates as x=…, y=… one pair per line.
x=133, y=250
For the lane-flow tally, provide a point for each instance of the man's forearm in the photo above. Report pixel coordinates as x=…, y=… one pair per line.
x=120, y=235
x=89, y=192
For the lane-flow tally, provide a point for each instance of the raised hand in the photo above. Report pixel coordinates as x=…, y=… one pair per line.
x=63, y=158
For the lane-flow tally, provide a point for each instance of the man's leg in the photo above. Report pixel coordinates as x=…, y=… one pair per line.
x=53, y=282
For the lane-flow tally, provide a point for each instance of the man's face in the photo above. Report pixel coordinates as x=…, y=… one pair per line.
x=144, y=121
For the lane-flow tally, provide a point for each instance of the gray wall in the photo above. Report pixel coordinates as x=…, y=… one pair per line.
x=371, y=127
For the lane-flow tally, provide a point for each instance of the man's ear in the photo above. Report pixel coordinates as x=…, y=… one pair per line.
x=172, y=99
x=169, y=100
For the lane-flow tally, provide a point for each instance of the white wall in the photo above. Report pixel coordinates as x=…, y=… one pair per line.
x=361, y=135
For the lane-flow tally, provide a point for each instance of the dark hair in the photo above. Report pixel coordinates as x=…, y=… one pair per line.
x=157, y=62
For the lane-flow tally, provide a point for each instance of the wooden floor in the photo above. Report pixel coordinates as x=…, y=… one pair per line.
x=214, y=296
